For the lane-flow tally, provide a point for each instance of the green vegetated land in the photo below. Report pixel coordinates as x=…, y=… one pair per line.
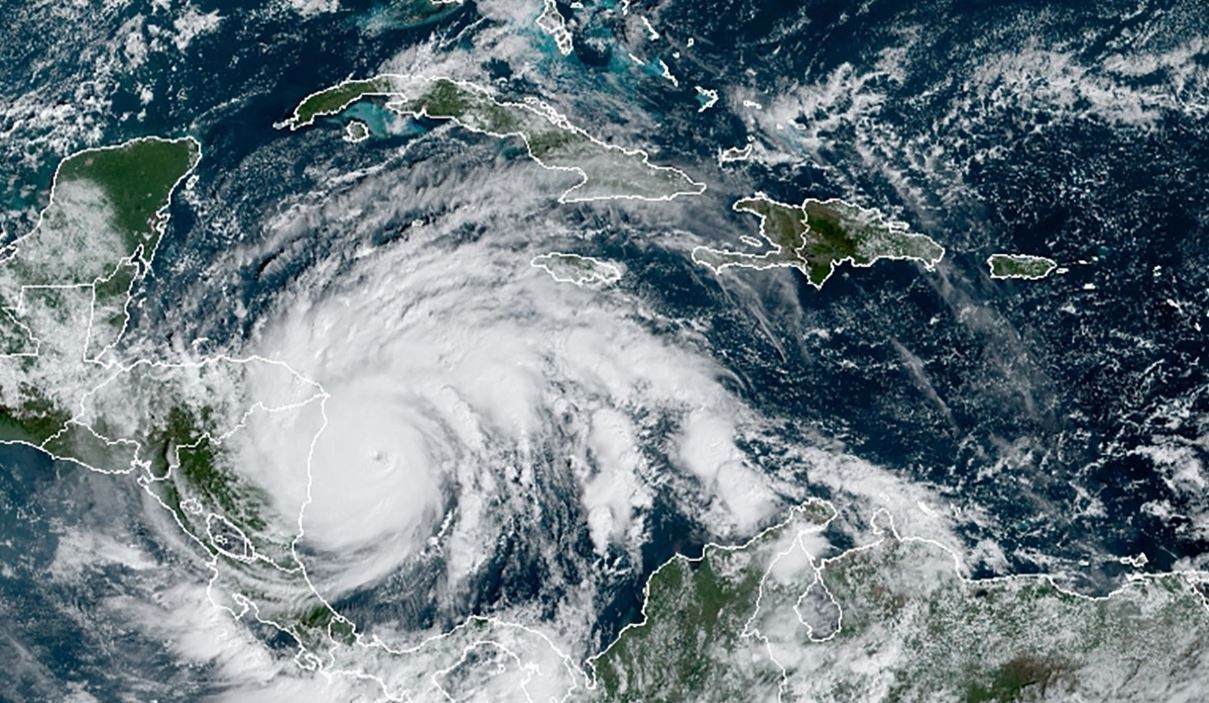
x=694, y=618
x=439, y=98
x=103, y=211
x=356, y=131
x=1020, y=266
x=137, y=178
x=34, y=420
x=189, y=464
x=336, y=99
x=573, y=261
x=911, y=630
x=118, y=283
x=610, y=171
x=691, y=644
x=87, y=237
x=818, y=235
x=99, y=232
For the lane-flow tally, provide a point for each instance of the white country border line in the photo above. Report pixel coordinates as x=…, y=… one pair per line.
x=19, y=308
x=574, y=672
x=98, y=358
x=819, y=583
x=819, y=567
x=718, y=546
x=530, y=104
x=764, y=265
x=749, y=631
x=159, y=226
x=304, y=658
x=11, y=248
x=559, y=120
x=359, y=639
x=145, y=480
x=1184, y=575
x=252, y=555
x=466, y=650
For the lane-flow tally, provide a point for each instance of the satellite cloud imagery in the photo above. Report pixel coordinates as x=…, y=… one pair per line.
x=663, y=351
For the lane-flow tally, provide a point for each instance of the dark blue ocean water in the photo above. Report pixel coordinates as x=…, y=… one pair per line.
x=1080, y=372
x=62, y=631
x=1082, y=369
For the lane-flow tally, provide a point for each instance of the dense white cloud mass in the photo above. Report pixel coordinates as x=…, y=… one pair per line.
x=490, y=458
x=462, y=381
x=483, y=421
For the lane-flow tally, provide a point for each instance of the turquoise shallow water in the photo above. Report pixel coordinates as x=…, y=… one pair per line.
x=1045, y=410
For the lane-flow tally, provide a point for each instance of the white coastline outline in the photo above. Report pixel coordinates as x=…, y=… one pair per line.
x=308, y=660
x=612, y=273
x=552, y=22
x=1189, y=579
x=305, y=658
x=734, y=153
x=353, y=138
x=532, y=105
x=140, y=254
x=1021, y=258
x=894, y=225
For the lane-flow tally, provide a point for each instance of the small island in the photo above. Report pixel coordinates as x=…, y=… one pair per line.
x=573, y=268
x=819, y=235
x=553, y=23
x=1022, y=266
x=356, y=131
x=734, y=153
